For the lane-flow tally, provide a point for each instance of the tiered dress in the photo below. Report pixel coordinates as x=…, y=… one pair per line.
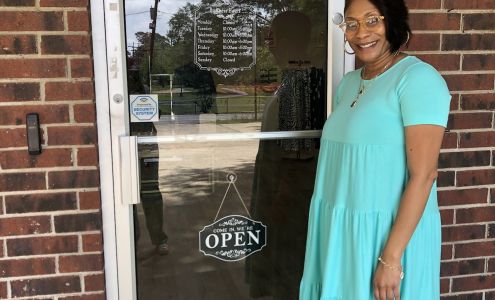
x=362, y=172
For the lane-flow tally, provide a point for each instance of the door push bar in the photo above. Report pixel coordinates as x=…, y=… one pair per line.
x=129, y=170
x=129, y=156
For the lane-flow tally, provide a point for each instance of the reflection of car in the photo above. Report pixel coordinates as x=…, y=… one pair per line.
x=269, y=88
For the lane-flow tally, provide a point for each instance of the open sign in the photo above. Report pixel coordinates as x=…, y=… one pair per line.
x=232, y=238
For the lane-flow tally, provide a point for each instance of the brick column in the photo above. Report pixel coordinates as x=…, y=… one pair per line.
x=50, y=212
x=458, y=38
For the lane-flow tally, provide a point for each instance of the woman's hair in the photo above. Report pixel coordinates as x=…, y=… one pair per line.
x=396, y=21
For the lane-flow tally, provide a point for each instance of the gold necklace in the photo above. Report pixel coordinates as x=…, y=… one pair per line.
x=362, y=87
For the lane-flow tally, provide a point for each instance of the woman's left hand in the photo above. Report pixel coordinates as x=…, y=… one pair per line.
x=386, y=283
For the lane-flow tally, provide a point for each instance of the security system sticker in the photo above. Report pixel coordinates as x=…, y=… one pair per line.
x=144, y=108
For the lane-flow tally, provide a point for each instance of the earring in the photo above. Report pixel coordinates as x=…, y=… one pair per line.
x=345, y=47
x=407, y=40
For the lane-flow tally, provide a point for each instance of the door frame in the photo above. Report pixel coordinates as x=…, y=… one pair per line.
x=108, y=35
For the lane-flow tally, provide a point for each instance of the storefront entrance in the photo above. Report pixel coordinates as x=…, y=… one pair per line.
x=216, y=111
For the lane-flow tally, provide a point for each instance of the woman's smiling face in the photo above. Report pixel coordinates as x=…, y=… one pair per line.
x=370, y=44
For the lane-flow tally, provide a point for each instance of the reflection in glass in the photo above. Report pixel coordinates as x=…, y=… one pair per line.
x=224, y=67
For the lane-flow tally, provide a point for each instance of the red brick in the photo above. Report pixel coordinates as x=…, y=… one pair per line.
x=73, y=135
x=85, y=297
x=64, y=3
x=92, y=242
x=65, y=44
x=470, y=120
x=477, y=296
x=464, y=267
x=463, y=82
x=462, y=197
x=32, y=68
x=475, y=249
x=421, y=4
x=489, y=295
x=89, y=200
x=478, y=102
x=49, y=114
x=463, y=233
x=424, y=42
x=475, y=214
x=446, y=178
x=447, y=216
x=447, y=252
x=475, y=177
x=19, y=92
x=482, y=21
x=87, y=157
x=492, y=195
x=3, y=284
x=473, y=282
x=42, y=245
x=31, y=21
x=13, y=137
x=449, y=140
x=18, y=44
x=78, y=20
x=435, y=21
x=85, y=113
x=26, y=267
x=40, y=203
x=20, y=159
x=80, y=263
x=81, y=67
x=474, y=62
x=94, y=282
x=442, y=62
x=17, y=3
x=471, y=4
x=477, y=139
x=464, y=159
x=81, y=90
x=45, y=286
x=73, y=179
x=469, y=41
x=10, y=182
x=491, y=265
x=78, y=222
x=24, y=226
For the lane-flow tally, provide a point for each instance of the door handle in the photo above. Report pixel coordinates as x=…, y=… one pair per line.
x=129, y=170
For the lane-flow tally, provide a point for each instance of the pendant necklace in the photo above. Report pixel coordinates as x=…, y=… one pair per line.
x=362, y=87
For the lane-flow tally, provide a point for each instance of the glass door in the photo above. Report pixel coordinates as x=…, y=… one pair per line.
x=225, y=101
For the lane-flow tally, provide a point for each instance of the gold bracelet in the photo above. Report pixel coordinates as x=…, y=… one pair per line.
x=395, y=268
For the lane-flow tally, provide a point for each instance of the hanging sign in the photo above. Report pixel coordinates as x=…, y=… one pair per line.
x=233, y=237
x=144, y=108
x=225, y=37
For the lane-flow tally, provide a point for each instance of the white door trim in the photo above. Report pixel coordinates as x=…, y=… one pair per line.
x=107, y=18
x=110, y=69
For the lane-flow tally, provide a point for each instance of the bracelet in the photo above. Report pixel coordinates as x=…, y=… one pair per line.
x=395, y=268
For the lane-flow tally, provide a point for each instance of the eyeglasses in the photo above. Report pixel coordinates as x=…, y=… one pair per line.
x=352, y=26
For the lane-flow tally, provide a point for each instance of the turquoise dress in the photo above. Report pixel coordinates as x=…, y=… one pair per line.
x=360, y=179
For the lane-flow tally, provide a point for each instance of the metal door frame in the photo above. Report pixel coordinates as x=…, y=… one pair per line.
x=108, y=36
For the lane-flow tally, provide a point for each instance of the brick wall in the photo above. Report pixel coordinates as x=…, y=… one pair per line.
x=50, y=219
x=458, y=38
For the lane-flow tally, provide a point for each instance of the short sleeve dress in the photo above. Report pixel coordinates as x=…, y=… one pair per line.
x=360, y=179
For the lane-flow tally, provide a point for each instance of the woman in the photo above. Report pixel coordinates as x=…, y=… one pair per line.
x=374, y=229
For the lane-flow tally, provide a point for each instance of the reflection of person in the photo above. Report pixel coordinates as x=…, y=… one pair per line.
x=284, y=169
x=150, y=196
x=374, y=214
